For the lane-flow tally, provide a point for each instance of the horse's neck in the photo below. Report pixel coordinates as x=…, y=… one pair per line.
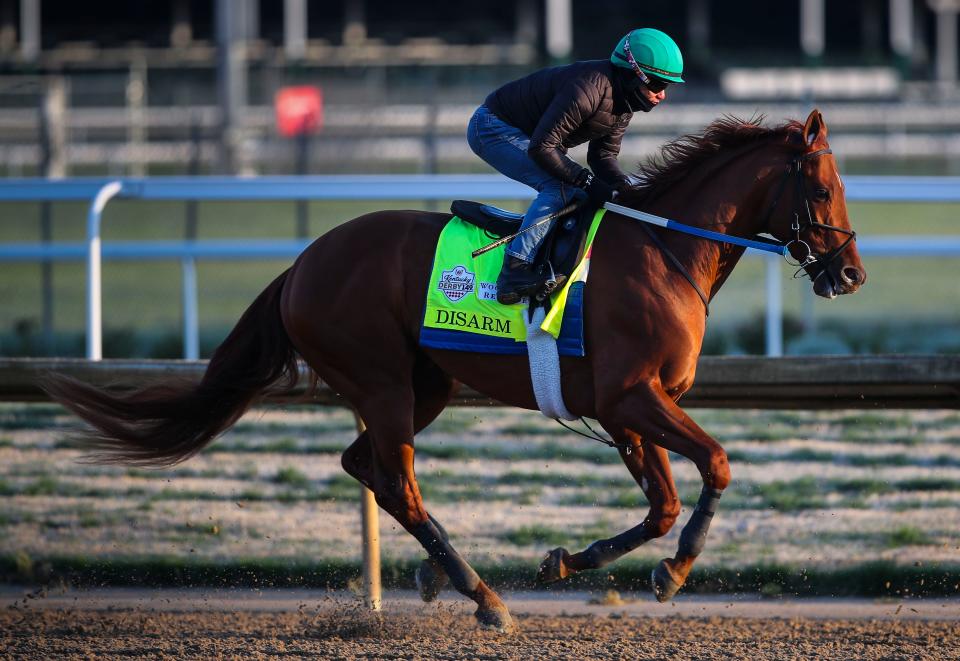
x=717, y=199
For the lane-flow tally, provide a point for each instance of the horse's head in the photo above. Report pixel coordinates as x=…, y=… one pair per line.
x=812, y=216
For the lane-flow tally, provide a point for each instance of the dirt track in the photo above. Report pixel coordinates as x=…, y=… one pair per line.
x=337, y=627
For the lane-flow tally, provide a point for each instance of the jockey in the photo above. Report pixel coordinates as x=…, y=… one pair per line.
x=524, y=129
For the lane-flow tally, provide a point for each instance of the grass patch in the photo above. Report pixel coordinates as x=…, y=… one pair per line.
x=863, y=487
x=536, y=535
x=928, y=484
x=532, y=427
x=870, y=419
x=43, y=486
x=286, y=445
x=907, y=505
x=292, y=477
x=840, y=458
x=626, y=499
x=908, y=536
x=89, y=519
x=563, y=480
x=539, y=535
x=501, y=452
x=283, y=445
x=454, y=422
x=295, y=429
x=791, y=496
x=881, y=460
x=343, y=487
x=581, y=499
x=15, y=411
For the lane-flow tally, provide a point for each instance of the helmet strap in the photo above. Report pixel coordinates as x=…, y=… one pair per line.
x=633, y=92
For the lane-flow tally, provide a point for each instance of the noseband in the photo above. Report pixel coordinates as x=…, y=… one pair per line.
x=809, y=222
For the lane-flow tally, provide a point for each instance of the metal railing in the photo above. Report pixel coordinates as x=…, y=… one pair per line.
x=370, y=187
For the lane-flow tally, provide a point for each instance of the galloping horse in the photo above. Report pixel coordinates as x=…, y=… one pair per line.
x=352, y=304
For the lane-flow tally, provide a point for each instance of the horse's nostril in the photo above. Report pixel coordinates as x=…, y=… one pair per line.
x=852, y=275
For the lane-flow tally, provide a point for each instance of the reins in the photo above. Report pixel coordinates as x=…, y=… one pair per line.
x=626, y=447
x=679, y=266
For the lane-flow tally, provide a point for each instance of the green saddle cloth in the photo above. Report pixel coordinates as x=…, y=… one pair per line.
x=462, y=294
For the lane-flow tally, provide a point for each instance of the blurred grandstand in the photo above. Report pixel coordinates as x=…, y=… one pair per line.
x=188, y=86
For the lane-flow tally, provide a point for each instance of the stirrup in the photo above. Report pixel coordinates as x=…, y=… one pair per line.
x=550, y=286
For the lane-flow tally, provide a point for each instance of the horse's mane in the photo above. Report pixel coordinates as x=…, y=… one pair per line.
x=679, y=157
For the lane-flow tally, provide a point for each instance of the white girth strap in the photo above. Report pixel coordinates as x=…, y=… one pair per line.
x=545, y=367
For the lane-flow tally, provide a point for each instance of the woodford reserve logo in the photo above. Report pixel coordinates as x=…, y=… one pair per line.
x=456, y=283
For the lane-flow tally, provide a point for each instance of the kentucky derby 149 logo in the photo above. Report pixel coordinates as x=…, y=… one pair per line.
x=456, y=283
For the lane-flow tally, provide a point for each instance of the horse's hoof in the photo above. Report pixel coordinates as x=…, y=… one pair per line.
x=495, y=619
x=554, y=567
x=430, y=579
x=665, y=583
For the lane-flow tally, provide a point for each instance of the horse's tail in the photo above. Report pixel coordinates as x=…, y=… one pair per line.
x=166, y=423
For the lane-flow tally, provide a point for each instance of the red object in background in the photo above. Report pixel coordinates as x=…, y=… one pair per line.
x=299, y=110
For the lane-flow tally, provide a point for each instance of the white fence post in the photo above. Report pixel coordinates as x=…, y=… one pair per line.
x=94, y=324
x=370, y=531
x=774, y=319
x=191, y=323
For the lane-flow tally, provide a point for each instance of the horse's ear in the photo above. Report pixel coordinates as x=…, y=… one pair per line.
x=815, y=130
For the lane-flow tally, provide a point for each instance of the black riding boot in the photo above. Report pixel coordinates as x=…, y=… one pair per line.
x=517, y=279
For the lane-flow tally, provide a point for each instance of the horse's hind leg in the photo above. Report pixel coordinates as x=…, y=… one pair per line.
x=649, y=410
x=432, y=390
x=650, y=467
x=390, y=425
x=357, y=461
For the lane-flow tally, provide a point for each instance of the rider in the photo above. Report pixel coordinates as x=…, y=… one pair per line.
x=524, y=129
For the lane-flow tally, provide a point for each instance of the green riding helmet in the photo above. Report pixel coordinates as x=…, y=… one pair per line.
x=653, y=51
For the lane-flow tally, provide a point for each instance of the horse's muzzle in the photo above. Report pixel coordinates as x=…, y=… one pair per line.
x=833, y=282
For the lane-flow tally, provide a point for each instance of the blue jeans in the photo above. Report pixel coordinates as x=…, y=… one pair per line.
x=505, y=148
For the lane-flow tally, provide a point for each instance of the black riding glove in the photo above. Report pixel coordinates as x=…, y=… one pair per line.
x=597, y=189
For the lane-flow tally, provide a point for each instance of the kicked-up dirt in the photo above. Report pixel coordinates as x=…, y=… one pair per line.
x=339, y=628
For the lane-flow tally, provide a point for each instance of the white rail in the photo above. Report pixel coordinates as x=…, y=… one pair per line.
x=371, y=187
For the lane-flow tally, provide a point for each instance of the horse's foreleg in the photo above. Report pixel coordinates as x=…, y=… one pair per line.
x=650, y=467
x=648, y=409
x=671, y=573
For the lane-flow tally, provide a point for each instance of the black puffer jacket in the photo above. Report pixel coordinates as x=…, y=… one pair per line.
x=565, y=106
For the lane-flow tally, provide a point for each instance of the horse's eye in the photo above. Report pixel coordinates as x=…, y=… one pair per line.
x=821, y=195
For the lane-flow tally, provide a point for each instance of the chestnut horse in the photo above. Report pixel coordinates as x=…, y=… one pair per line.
x=352, y=304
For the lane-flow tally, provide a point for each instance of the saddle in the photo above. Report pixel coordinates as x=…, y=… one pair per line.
x=559, y=253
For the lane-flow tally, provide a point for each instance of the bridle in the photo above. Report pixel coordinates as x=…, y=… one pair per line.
x=762, y=242
x=808, y=223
